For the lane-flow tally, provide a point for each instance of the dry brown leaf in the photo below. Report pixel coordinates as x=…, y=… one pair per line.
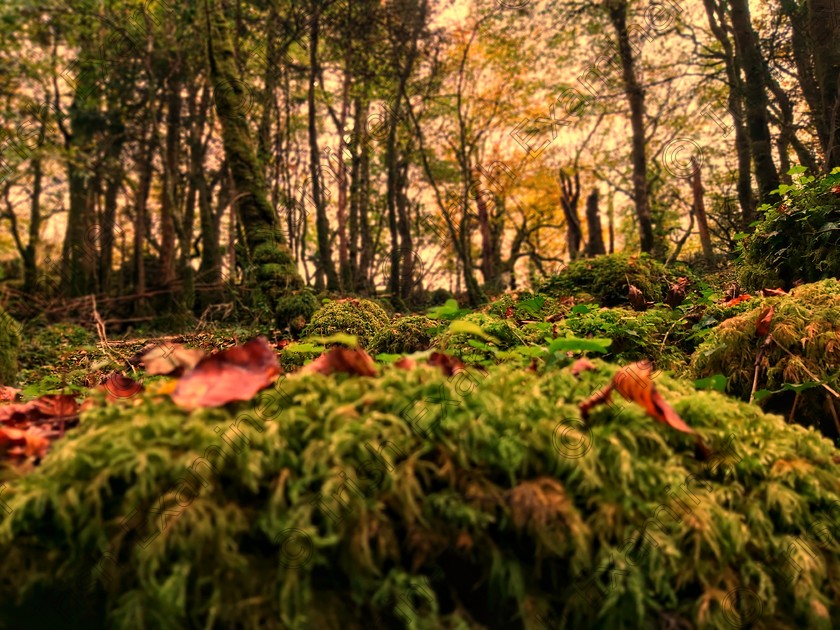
x=406, y=363
x=637, y=298
x=737, y=300
x=677, y=292
x=773, y=292
x=120, y=387
x=340, y=359
x=35, y=444
x=234, y=374
x=170, y=360
x=447, y=363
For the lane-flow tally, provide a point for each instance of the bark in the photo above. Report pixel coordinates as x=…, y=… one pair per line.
x=755, y=93
x=569, y=199
x=636, y=100
x=700, y=212
x=824, y=26
x=595, y=246
x=264, y=243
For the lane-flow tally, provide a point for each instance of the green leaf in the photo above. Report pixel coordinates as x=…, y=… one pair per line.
x=716, y=382
x=581, y=309
x=761, y=394
x=304, y=347
x=470, y=328
x=479, y=345
x=796, y=170
x=575, y=344
x=351, y=341
x=449, y=310
x=384, y=357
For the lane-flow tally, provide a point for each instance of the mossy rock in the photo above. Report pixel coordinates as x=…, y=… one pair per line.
x=348, y=502
x=10, y=338
x=404, y=335
x=295, y=309
x=805, y=328
x=359, y=317
x=608, y=277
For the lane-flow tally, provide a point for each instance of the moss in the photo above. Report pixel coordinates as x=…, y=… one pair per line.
x=806, y=330
x=504, y=509
x=404, y=335
x=607, y=278
x=438, y=297
x=362, y=318
x=506, y=333
x=10, y=338
x=295, y=309
x=524, y=305
x=756, y=276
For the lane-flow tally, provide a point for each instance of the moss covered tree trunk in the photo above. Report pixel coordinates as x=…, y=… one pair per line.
x=270, y=260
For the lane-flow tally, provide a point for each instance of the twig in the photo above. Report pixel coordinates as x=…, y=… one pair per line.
x=758, y=365
x=793, y=408
x=833, y=413
x=807, y=371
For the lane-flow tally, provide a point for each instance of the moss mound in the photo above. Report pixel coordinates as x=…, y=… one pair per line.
x=798, y=238
x=806, y=330
x=524, y=305
x=471, y=348
x=363, y=318
x=295, y=309
x=404, y=335
x=344, y=502
x=608, y=277
x=9, y=348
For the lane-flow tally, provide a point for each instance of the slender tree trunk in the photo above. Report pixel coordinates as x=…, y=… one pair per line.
x=824, y=25
x=700, y=212
x=569, y=199
x=636, y=100
x=595, y=246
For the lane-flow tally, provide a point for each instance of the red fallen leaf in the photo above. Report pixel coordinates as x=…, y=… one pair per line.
x=447, y=363
x=9, y=394
x=340, y=359
x=773, y=292
x=406, y=363
x=762, y=325
x=509, y=312
x=635, y=384
x=35, y=443
x=119, y=387
x=58, y=405
x=166, y=360
x=237, y=373
x=17, y=413
x=836, y=189
x=582, y=365
x=737, y=300
x=283, y=343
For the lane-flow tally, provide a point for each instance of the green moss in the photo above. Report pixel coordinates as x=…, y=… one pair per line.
x=295, y=309
x=608, y=277
x=524, y=305
x=506, y=505
x=362, y=318
x=506, y=333
x=806, y=330
x=404, y=335
x=10, y=338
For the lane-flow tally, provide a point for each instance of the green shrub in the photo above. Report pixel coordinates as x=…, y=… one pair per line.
x=9, y=348
x=404, y=335
x=362, y=318
x=493, y=512
x=506, y=334
x=799, y=237
x=607, y=278
x=806, y=330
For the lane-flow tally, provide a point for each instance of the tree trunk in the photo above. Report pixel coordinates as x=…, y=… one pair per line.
x=755, y=93
x=264, y=244
x=595, y=246
x=824, y=26
x=700, y=212
x=569, y=199
x=636, y=100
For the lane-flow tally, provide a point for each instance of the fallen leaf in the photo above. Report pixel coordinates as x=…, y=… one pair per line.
x=406, y=363
x=447, y=363
x=341, y=359
x=677, y=292
x=762, y=326
x=637, y=298
x=737, y=300
x=773, y=292
x=509, y=312
x=36, y=445
x=119, y=387
x=57, y=405
x=582, y=365
x=170, y=360
x=234, y=374
x=9, y=394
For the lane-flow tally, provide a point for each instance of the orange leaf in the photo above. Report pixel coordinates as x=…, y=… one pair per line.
x=634, y=383
x=234, y=374
x=340, y=359
x=773, y=292
x=762, y=326
x=119, y=387
x=58, y=405
x=737, y=300
x=9, y=394
x=447, y=363
x=406, y=363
